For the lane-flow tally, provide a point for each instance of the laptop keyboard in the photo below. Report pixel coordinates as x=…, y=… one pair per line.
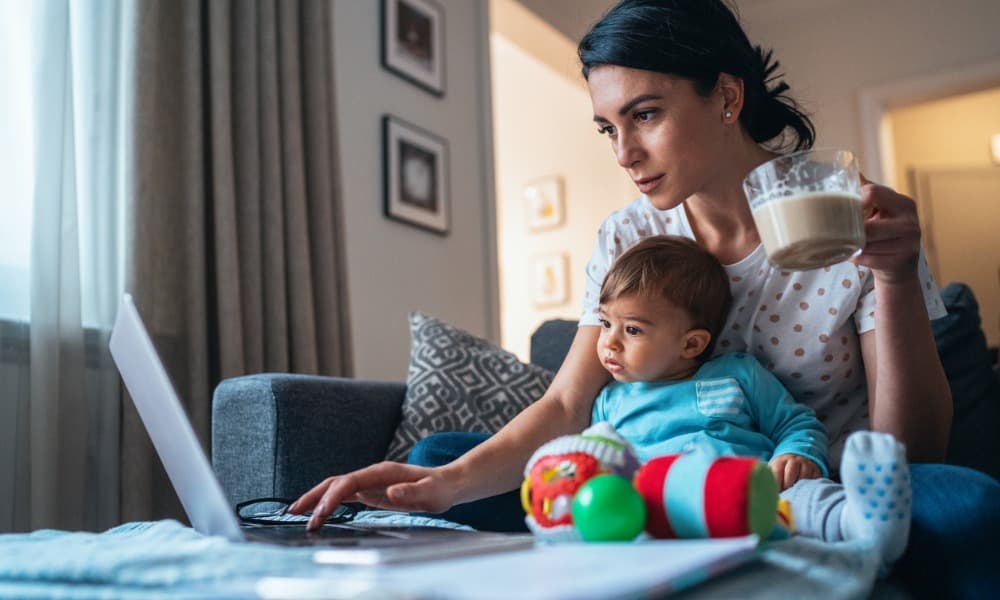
x=344, y=535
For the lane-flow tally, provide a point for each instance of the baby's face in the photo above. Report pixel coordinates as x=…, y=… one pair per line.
x=643, y=339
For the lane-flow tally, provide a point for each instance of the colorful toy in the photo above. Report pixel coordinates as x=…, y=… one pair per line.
x=699, y=495
x=559, y=468
x=590, y=487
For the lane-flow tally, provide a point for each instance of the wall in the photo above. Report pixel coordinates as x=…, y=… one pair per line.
x=393, y=268
x=871, y=44
x=947, y=133
x=543, y=125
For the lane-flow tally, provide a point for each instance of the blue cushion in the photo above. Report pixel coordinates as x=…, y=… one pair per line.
x=975, y=389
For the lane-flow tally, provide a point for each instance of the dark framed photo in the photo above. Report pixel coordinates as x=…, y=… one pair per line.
x=413, y=42
x=415, y=166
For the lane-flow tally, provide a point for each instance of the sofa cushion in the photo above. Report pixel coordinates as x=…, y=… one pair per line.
x=975, y=389
x=550, y=343
x=460, y=382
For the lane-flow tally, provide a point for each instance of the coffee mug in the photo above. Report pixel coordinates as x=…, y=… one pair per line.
x=807, y=208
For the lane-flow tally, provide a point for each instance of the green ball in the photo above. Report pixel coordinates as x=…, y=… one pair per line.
x=608, y=509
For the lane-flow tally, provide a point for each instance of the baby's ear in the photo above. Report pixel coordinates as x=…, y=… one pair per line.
x=695, y=342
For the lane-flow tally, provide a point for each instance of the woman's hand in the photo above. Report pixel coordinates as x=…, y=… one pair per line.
x=388, y=485
x=892, y=234
x=789, y=468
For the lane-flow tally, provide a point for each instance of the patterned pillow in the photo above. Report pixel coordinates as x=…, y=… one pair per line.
x=459, y=382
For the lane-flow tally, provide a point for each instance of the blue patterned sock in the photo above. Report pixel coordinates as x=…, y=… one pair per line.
x=877, y=484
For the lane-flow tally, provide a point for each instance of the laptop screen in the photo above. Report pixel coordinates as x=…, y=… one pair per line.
x=164, y=419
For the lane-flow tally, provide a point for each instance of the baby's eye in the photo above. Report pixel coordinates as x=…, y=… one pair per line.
x=632, y=330
x=605, y=323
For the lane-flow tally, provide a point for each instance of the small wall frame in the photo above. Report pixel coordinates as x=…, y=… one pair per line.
x=413, y=42
x=415, y=169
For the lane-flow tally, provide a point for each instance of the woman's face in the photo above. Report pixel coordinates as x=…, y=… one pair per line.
x=666, y=136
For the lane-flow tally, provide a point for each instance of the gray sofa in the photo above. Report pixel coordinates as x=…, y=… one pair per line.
x=277, y=435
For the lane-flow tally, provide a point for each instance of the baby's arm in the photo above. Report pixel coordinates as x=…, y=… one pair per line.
x=792, y=427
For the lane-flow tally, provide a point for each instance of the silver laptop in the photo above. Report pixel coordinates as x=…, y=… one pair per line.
x=205, y=503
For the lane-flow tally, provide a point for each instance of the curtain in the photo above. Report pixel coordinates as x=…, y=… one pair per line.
x=64, y=440
x=232, y=248
x=183, y=151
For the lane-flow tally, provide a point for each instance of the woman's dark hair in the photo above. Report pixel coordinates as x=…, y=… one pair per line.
x=698, y=40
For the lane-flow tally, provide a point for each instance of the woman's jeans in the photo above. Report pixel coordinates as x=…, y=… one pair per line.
x=498, y=513
x=954, y=548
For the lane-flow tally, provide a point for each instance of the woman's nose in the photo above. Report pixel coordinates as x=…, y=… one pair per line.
x=627, y=150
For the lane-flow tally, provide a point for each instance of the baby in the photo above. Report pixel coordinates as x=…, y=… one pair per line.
x=662, y=304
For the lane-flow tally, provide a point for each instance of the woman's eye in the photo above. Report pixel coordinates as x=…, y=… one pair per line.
x=632, y=330
x=606, y=130
x=643, y=115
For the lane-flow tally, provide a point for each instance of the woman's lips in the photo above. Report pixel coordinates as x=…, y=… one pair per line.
x=649, y=184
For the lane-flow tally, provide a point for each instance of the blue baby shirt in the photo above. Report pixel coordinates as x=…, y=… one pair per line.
x=732, y=406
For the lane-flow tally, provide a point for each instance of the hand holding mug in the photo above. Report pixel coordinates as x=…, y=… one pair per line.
x=892, y=231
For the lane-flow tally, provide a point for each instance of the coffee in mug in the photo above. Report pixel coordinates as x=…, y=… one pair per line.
x=807, y=208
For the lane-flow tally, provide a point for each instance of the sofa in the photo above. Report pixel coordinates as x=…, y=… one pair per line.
x=277, y=435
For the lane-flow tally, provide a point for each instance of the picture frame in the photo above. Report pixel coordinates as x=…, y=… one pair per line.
x=415, y=176
x=413, y=42
x=550, y=280
x=544, y=203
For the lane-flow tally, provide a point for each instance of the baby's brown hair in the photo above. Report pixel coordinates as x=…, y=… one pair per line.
x=679, y=271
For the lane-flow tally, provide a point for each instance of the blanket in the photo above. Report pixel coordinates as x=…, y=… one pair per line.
x=165, y=558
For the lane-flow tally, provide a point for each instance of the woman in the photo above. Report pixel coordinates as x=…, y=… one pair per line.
x=690, y=107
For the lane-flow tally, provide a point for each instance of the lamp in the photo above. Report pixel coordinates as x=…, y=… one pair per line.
x=995, y=147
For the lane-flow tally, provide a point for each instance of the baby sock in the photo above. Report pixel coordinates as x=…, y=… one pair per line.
x=877, y=485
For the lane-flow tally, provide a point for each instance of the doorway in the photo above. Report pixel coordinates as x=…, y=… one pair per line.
x=941, y=153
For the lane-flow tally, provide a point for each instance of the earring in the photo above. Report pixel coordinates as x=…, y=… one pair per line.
x=728, y=115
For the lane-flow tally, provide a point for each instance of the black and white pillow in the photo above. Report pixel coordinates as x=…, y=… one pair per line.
x=460, y=382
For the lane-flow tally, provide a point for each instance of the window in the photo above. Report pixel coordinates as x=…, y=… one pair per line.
x=16, y=159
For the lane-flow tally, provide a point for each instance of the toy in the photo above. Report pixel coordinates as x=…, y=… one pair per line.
x=699, y=495
x=590, y=487
x=607, y=508
x=559, y=468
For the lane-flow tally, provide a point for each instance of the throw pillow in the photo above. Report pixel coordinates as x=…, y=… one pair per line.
x=460, y=382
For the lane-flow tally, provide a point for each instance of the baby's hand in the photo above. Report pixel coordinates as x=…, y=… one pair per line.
x=789, y=468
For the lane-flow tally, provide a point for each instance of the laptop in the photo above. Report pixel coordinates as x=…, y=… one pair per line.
x=206, y=505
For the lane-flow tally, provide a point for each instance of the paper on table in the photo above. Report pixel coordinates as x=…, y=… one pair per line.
x=561, y=572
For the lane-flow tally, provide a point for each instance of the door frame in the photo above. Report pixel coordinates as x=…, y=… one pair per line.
x=874, y=102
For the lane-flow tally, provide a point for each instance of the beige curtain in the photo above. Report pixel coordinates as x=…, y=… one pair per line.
x=233, y=250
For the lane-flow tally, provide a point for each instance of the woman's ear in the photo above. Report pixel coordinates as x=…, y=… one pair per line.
x=695, y=342
x=730, y=88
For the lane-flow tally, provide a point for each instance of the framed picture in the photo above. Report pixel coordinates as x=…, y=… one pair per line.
x=543, y=202
x=413, y=42
x=415, y=172
x=551, y=285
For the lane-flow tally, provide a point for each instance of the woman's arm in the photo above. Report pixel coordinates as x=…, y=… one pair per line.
x=908, y=392
x=493, y=467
